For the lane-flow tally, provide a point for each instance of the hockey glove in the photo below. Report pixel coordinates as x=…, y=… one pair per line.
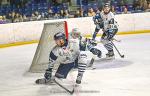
x=110, y=34
x=96, y=51
x=92, y=42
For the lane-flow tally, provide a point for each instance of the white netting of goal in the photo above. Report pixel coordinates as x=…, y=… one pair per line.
x=46, y=43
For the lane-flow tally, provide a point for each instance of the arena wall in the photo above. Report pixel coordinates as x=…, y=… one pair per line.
x=30, y=32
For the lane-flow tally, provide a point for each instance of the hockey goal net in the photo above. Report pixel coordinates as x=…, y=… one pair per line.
x=46, y=43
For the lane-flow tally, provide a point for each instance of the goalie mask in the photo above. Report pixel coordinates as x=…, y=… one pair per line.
x=75, y=33
x=60, y=39
x=106, y=8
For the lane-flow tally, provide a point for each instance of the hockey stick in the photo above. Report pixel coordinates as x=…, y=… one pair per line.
x=113, y=39
x=117, y=40
x=71, y=92
x=122, y=56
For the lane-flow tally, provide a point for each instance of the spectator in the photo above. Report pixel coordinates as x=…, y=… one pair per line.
x=5, y=19
x=49, y=14
x=25, y=18
x=61, y=14
x=21, y=17
x=56, y=16
x=1, y=20
x=9, y=17
x=148, y=7
x=13, y=16
x=38, y=16
x=82, y=13
x=143, y=4
x=139, y=6
x=77, y=14
x=18, y=18
x=113, y=10
x=98, y=10
x=91, y=12
x=136, y=5
x=66, y=14
x=33, y=17
x=43, y=16
x=125, y=11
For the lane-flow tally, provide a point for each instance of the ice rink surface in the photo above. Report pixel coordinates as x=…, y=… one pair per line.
x=120, y=77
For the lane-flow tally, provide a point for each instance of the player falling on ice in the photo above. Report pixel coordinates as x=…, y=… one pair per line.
x=66, y=51
x=85, y=44
x=105, y=20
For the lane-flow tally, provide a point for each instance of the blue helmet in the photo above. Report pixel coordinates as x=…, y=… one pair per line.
x=59, y=35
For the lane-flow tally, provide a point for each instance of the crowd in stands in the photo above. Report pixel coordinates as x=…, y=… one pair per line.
x=32, y=10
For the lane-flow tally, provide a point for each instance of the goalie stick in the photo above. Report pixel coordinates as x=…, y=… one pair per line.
x=69, y=91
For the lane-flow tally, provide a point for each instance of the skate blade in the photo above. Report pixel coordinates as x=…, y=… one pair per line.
x=110, y=58
x=51, y=82
x=91, y=68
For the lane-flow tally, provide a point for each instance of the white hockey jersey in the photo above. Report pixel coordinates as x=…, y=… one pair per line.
x=66, y=54
x=85, y=44
x=106, y=18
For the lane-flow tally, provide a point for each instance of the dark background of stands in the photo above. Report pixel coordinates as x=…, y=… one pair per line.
x=30, y=10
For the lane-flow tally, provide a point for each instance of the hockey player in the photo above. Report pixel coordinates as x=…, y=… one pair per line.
x=98, y=21
x=106, y=21
x=66, y=52
x=85, y=44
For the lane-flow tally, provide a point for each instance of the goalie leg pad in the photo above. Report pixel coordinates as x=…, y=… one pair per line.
x=96, y=51
x=82, y=61
x=81, y=70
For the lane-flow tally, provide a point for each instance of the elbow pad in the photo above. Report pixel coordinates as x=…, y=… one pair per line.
x=52, y=56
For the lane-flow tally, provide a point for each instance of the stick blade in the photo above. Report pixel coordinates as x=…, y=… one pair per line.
x=63, y=86
x=122, y=56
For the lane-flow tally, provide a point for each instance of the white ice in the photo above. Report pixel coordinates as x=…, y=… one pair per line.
x=121, y=77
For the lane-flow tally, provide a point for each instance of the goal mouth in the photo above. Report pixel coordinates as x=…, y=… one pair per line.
x=46, y=43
